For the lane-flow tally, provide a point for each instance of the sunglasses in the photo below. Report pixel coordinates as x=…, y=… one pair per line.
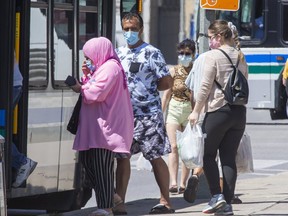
x=207, y=36
x=184, y=53
x=211, y=37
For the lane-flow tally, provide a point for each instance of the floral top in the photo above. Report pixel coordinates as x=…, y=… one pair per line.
x=180, y=92
x=143, y=66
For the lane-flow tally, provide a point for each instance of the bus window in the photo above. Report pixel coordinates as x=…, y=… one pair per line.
x=63, y=1
x=285, y=22
x=259, y=20
x=248, y=19
x=89, y=25
x=88, y=3
x=245, y=27
x=38, y=60
x=127, y=6
x=63, y=43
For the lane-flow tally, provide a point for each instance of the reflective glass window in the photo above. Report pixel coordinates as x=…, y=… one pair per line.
x=89, y=18
x=64, y=1
x=88, y=2
x=38, y=59
x=249, y=21
x=285, y=23
x=38, y=0
x=129, y=5
x=63, y=43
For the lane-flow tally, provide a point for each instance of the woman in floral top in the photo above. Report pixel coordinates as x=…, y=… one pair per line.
x=177, y=102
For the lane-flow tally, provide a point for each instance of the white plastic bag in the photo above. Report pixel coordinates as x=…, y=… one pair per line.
x=143, y=164
x=191, y=146
x=244, y=157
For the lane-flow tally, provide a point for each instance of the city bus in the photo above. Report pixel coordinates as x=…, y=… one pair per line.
x=263, y=31
x=47, y=37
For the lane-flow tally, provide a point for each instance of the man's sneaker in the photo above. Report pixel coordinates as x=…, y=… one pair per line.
x=191, y=189
x=225, y=210
x=217, y=201
x=24, y=171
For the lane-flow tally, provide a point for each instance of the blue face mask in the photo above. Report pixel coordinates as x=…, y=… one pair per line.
x=131, y=37
x=184, y=60
x=90, y=65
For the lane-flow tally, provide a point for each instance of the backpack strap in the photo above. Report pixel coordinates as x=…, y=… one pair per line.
x=238, y=59
x=227, y=56
x=219, y=86
x=217, y=83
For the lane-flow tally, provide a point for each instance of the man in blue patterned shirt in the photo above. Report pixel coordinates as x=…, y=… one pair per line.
x=147, y=74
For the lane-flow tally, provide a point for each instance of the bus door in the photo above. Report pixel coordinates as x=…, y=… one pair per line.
x=11, y=120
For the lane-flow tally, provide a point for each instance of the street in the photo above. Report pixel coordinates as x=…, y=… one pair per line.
x=269, y=148
x=263, y=192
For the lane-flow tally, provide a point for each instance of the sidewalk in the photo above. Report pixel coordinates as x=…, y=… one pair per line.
x=266, y=196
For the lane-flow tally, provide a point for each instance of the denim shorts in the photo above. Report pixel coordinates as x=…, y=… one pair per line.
x=178, y=112
x=150, y=137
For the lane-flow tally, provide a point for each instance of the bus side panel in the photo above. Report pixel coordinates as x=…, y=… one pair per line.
x=264, y=68
x=68, y=176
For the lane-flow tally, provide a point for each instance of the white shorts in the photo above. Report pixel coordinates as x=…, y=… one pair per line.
x=178, y=112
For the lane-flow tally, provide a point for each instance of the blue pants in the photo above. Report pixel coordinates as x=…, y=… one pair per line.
x=18, y=159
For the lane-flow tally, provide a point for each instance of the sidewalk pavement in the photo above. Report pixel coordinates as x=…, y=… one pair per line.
x=265, y=196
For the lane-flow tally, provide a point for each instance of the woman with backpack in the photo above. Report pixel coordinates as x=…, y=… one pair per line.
x=223, y=123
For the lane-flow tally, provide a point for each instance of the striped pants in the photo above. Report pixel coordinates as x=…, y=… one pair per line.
x=99, y=166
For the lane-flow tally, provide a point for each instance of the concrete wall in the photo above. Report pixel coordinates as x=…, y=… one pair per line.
x=165, y=24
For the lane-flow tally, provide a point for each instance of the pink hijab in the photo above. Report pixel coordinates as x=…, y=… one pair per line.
x=100, y=50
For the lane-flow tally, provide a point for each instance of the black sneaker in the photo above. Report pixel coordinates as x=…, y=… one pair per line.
x=191, y=189
x=236, y=200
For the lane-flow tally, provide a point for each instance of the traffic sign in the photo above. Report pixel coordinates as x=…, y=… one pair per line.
x=230, y=5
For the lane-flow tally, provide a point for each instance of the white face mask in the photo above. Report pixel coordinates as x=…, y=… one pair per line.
x=184, y=60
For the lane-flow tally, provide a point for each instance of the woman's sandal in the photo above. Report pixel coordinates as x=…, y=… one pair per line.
x=181, y=190
x=118, y=209
x=117, y=200
x=173, y=189
x=161, y=209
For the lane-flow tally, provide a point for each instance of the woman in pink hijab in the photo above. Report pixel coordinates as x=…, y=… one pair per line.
x=106, y=119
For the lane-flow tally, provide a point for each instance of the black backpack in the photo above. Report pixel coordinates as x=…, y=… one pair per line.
x=236, y=91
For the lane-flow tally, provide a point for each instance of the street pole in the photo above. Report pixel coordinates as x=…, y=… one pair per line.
x=182, y=21
x=206, y=18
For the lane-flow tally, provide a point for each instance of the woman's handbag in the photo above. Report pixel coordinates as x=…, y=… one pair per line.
x=191, y=146
x=244, y=157
x=74, y=119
